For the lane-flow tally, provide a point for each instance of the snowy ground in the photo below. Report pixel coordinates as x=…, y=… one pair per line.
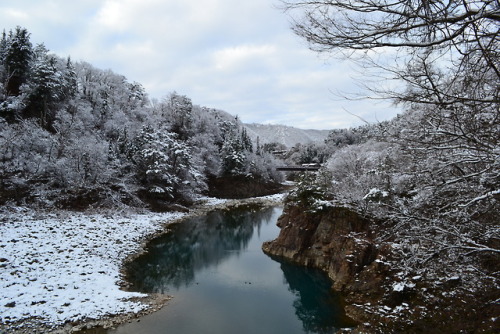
x=65, y=266
x=60, y=268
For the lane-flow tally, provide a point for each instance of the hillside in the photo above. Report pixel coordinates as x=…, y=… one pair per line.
x=286, y=135
x=75, y=136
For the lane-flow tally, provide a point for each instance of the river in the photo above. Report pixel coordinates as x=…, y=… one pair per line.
x=222, y=282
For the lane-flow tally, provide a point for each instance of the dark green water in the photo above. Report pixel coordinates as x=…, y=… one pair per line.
x=222, y=282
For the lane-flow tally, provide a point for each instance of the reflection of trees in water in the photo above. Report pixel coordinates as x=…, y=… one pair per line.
x=173, y=259
x=317, y=305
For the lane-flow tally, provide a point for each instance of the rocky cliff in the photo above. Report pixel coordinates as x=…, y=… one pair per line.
x=337, y=240
x=344, y=244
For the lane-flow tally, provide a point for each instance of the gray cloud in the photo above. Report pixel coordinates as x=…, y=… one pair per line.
x=239, y=57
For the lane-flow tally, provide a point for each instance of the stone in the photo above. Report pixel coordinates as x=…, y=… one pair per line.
x=337, y=240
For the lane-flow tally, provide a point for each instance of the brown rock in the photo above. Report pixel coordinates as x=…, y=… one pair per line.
x=336, y=240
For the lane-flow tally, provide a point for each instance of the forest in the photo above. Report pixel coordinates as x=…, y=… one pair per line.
x=74, y=136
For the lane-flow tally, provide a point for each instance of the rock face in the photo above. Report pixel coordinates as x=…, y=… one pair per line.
x=337, y=240
x=365, y=270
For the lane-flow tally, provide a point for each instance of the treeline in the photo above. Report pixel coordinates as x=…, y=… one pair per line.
x=73, y=135
x=320, y=152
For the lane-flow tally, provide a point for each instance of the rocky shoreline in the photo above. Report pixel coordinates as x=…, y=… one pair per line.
x=151, y=302
x=339, y=242
x=377, y=296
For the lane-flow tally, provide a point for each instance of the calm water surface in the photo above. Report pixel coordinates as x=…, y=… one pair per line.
x=222, y=282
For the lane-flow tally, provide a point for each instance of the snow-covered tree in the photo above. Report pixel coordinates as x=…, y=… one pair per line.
x=74, y=129
x=69, y=81
x=447, y=143
x=178, y=112
x=164, y=164
x=3, y=69
x=18, y=55
x=43, y=88
x=233, y=156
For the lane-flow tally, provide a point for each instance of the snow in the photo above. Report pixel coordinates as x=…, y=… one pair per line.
x=213, y=202
x=375, y=193
x=65, y=266
x=61, y=267
x=274, y=198
x=400, y=286
x=286, y=135
x=210, y=200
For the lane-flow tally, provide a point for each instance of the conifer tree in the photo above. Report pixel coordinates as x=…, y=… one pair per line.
x=18, y=56
x=233, y=156
x=3, y=70
x=43, y=88
x=69, y=84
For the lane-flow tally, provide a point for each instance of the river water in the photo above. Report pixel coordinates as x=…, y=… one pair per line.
x=222, y=282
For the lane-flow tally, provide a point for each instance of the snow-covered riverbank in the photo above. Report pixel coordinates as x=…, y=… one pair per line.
x=64, y=267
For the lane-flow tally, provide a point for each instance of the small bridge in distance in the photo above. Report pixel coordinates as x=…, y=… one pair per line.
x=303, y=168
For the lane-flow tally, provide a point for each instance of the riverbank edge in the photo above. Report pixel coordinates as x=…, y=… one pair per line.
x=152, y=302
x=343, y=244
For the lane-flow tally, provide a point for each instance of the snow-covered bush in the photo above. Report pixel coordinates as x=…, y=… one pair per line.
x=26, y=150
x=308, y=193
x=84, y=163
x=357, y=169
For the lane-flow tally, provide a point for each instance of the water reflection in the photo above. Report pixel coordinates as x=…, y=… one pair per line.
x=317, y=306
x=222, y=282
x=173, y=259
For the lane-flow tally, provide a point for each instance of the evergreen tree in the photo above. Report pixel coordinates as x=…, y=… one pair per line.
x=233, y=156
x=246, y=141
x=3, y=70
x=164, y=164
x=3, y=48
x=69, y=84
x=44, y=88
x=18, y=56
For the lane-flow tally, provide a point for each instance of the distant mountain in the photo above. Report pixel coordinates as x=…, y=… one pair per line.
x=286, y=135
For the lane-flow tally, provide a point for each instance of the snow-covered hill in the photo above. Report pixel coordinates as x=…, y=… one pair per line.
x=286, y=135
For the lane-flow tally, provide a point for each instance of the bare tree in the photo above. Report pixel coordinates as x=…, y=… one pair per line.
x=367, y=24
x=443, y=187
x=417, y=31
x=447, y=54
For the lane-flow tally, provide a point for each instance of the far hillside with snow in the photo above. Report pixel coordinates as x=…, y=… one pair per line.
x=286, y=135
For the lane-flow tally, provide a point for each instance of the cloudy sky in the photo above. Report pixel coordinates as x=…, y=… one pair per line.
x=238, y=56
